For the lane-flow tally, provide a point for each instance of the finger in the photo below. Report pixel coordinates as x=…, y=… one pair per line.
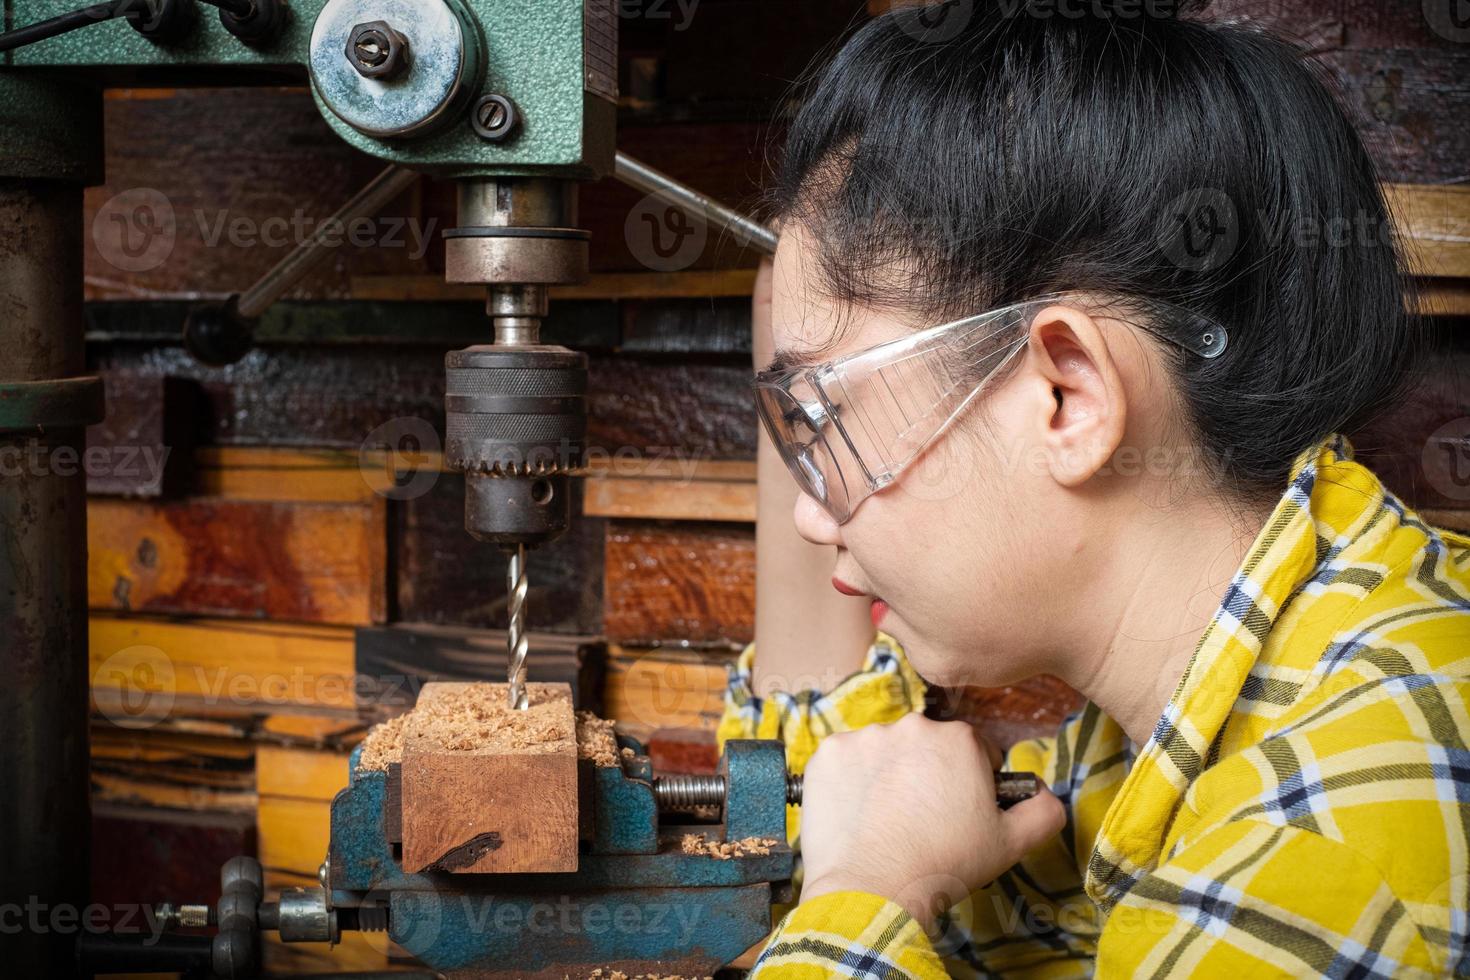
x=991, y=750
x=1033, y=822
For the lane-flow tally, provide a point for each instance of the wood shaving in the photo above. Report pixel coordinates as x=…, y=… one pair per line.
x=383, y=745
x=725, y=850
x=476, y=718
x=596, y=741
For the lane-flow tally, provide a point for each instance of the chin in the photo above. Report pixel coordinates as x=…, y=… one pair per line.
x=943, y=666
x=935, y=665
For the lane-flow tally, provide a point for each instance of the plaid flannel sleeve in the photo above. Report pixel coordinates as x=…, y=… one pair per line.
x=1255, y=898
x=1034, y=921
x=883, y=690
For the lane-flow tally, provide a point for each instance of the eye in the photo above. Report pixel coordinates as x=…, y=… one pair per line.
x=816, y=414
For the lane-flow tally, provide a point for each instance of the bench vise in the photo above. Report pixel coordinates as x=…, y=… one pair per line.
x=637, y=901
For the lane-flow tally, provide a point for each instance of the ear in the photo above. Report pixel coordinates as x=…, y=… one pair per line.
x=1086, y=411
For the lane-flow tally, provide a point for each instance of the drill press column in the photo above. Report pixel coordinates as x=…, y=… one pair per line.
x=516, y=410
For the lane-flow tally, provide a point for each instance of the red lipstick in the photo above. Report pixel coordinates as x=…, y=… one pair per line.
x=844, y=588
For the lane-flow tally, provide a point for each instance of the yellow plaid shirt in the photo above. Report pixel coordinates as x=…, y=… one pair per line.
x=1302, y=806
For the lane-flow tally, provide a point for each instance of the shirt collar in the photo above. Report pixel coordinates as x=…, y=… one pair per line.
x=1325, y=493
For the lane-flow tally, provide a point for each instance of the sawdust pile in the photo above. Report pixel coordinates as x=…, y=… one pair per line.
x=383, y=744
x=601, y=974
x=476, y=718
x=725, y=850
x=596, y=741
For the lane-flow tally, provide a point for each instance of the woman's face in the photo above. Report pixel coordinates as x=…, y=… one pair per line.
x=970, y=551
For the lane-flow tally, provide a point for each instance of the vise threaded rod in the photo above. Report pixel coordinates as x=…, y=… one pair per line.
x=686, y=791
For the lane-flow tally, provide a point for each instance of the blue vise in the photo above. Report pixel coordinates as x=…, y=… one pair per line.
x=636, y=903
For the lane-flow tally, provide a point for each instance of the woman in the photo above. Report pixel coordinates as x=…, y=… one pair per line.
x=1063, y=346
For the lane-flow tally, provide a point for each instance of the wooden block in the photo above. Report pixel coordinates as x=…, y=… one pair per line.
x=320, y=563
x=304, y=774
x=501, y=808
x=1419, y=447
x=683, y=750
x=316, y=730
x=665, y=688
x=1454, y=520
x=256, y=473
x=294, y=833
x=1444, y=297
x=1434, y=225
x=297, y=395
x=686, y=490
x=1007, y=715
x=679, y=582
x=355, y=953
x=169, y=770
x=142, y=668
x=684, y=409
x=446, y=577
x=141, y=854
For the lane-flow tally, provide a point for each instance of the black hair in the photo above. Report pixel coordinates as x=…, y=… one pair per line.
x=950, y=160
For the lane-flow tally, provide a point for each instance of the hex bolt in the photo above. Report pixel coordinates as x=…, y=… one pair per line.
x=495, y=118
x=377, y=51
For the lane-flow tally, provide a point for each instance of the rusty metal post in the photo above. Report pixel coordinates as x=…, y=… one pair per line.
x=49, y=139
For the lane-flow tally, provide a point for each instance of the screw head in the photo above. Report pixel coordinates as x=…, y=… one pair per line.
x=495, y=118
x=376, y=50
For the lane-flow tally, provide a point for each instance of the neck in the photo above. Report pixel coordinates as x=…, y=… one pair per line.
x=1152, y=596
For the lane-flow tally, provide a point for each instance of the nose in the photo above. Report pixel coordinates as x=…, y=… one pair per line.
x=814, y=523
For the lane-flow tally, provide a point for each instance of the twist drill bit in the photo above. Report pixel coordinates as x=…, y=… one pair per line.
x=515, y=636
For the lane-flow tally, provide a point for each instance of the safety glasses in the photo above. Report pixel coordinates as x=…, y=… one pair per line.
x=847, y=428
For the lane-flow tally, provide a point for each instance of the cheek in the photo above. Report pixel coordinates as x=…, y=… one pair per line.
x=920, y=541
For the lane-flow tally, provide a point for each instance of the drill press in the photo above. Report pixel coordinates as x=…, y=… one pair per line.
x=516, y=409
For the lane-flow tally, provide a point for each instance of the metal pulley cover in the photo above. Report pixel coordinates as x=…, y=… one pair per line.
x=420, y=65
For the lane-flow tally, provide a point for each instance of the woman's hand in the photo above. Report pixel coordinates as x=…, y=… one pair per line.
x=907, y=811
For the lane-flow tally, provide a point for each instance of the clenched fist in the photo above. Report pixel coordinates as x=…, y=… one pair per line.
x=907, y=811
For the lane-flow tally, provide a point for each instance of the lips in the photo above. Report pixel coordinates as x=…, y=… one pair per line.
x=877, y=609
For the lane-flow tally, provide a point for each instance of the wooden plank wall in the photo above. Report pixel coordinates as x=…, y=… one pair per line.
x=245, y=567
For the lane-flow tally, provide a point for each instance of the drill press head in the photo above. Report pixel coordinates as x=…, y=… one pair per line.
x=516, y=410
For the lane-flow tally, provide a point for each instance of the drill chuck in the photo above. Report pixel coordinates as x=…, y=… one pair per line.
x=516, y=426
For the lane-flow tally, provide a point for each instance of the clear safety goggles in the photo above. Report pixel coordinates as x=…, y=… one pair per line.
x=847, y=428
